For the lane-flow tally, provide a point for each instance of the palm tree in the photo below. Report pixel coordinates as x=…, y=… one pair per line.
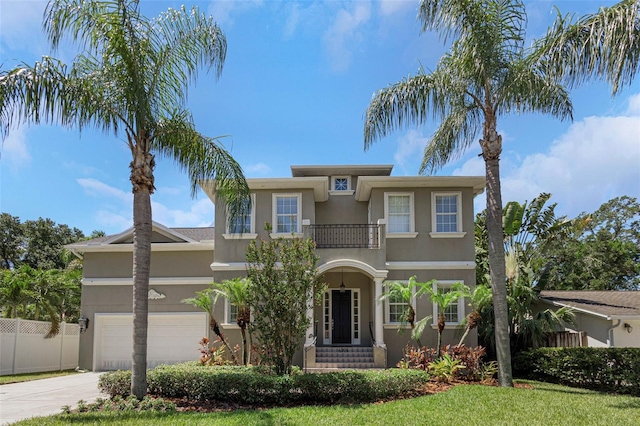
x=487, y=73
x=404, y=293
x=131, y=79
x=479, y=298
x=236, y=292
x=443, y=299
x=604, y=45
x=206, y=300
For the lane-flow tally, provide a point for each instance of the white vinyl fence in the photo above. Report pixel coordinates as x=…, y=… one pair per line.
x=23, y=348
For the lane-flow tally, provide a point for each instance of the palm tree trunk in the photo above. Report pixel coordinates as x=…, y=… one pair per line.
x=142, y=228
x=491, y=149
x=142, y=180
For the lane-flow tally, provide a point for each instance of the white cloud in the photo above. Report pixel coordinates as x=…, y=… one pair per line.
x=338, y=39
x=222, y=10
x=258, y=169
x=200, y=213
x=14, y=148
x=21, y=26
x=598, y=158
x=117, y=217
x=96, y=188
x=633, y=108
x=390, y=7
x=293, y=19
x=410, y=146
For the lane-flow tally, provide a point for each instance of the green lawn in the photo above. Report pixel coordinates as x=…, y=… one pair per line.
x=546, y=404
x=26, y=377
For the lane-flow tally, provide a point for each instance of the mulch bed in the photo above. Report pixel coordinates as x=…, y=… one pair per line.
x=433, y=387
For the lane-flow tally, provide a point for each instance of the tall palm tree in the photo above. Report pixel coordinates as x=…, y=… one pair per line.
x=486, y=74
x=236, y=291
x=131, y=80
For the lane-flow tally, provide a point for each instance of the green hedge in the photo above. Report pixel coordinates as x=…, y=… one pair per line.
x=247, y=385
x=604, y=369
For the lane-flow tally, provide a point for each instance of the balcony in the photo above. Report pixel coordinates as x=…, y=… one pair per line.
x=346, y=236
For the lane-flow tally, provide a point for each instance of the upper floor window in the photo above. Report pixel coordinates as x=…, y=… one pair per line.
x=454, y=313
x=286, y=213
x=446, y=214
x=399, y=211
x=340, y=185
x=244, y=224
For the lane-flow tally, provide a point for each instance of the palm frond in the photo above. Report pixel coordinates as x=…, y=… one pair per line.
x=605, y=44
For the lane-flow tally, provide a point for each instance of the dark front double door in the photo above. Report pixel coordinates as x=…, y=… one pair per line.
x=341, y=315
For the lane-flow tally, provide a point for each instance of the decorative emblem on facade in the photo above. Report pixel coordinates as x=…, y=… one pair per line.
x=154, y=295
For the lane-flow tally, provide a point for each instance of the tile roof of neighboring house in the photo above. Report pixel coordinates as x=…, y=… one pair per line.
x=197, y=234
x=610, y=304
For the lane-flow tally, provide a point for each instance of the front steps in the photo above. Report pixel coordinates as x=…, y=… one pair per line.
x=343, y=357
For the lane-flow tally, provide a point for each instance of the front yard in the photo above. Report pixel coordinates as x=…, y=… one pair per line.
x=543, y=404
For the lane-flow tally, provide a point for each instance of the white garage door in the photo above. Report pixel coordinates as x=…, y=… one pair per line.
x=171, y=338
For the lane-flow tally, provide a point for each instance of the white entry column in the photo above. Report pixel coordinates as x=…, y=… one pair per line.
x=379, y=314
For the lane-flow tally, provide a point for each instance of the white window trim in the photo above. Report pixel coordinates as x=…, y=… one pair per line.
x=460, y=302
x=227, y=313
x=334, y=191
x=274, y=218
x=412, y=216
x=395, y=325
x=434, y=233
x=251, y=235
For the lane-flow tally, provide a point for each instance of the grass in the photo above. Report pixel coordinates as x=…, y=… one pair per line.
x=466, y=404
x=27, y=377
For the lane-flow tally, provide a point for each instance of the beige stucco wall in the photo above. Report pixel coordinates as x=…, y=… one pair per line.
x=163, y=264
x=98, y=299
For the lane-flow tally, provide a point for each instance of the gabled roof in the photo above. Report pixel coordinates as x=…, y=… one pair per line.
x=163, y=239
x=127, y=236
x=607, y=304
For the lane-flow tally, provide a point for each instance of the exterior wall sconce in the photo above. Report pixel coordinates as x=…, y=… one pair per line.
x=83, y=322
x=628, y=327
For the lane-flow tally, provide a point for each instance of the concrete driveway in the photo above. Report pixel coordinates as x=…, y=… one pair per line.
x=44, y=397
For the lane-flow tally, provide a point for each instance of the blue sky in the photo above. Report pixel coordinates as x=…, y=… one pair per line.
x=297, y=80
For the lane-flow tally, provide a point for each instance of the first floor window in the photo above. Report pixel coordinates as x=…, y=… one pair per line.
x=454, y=312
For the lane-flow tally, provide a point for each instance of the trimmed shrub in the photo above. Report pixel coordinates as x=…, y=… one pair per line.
x=603, y=369
x=248, y=385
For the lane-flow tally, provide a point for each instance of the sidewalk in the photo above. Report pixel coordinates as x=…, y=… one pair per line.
x=44, y=397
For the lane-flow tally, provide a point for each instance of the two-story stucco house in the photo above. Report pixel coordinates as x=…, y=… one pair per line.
x=369, y=228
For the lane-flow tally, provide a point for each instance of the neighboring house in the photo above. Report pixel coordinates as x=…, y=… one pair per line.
x=610, y=318
x=369, y=228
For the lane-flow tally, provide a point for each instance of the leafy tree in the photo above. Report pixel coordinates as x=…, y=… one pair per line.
x=131, y=78
x=236, y=291
x=487, y=73
x=45, y=241
x=283, y=283
x=603, y=253
x=11, y=240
